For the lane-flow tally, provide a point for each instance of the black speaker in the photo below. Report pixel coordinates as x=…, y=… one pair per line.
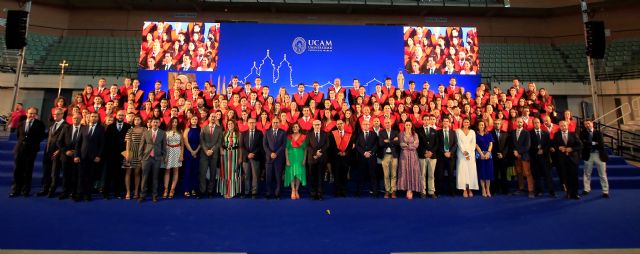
x=16, y=29
x=596, y=42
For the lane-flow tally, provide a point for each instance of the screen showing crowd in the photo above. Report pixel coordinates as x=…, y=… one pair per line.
x=184, y=46
x=441, y=50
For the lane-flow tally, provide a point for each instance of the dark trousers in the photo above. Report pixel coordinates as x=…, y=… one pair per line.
x=86, y=175
x=500, y=166
x=23, y=172
x=69, y=175
x=207, y=164
x=274, y=170
x=367, y=168
x=251, y=172
x=569, y=171
x=50, y=172
x=150, y=166
x=316, y=173
x=445, y=165
x=340, y=170
x=541, y=173
x=114, y=176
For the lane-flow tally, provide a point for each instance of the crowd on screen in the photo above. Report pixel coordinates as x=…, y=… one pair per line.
x=244, y=142
x=427, y=52
x=165, y=47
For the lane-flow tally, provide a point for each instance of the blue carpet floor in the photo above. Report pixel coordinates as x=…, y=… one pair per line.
x=353, y=226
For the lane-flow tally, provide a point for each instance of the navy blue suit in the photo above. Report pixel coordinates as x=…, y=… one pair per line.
x=274, y=144
x=88, y=147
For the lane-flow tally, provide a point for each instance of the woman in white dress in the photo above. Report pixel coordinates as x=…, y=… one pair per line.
x=174, y=158
x=466, y=159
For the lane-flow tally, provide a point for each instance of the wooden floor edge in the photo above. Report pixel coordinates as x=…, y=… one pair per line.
x=3, y=251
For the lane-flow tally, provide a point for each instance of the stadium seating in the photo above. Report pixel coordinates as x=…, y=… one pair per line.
x=93, y=55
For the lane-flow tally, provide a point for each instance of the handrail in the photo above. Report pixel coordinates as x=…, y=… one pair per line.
x=615, y=110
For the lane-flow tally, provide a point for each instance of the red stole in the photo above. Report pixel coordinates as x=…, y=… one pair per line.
x=342, y=142
x=297, y=142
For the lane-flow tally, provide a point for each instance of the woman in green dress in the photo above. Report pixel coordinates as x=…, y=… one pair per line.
x=229, y=175
x=295, y=172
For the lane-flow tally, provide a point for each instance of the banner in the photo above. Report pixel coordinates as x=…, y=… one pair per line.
x=286, y=55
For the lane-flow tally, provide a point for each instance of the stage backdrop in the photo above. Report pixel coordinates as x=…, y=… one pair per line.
x=285, y=55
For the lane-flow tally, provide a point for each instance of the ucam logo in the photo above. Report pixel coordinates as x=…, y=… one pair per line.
x=300, y=45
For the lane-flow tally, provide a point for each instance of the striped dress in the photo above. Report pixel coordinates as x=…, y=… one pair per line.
x=408, y=165
x=229, y=175
x=134, y=136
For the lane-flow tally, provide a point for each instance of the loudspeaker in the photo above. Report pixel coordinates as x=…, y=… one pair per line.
x=596, y=42
x=16, y=29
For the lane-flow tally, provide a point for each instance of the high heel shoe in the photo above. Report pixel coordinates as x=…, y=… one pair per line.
x=187, y=194
x=172, y=193
x=128, y=196
x=165, y=194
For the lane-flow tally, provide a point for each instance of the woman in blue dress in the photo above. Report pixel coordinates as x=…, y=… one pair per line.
x=484, y=162
x=191, y=161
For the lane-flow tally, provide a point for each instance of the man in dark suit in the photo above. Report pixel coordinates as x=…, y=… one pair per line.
x=152, y=152
x=51, y=162
x=210, y=142
x=89, y=149
x=388, y=153
x=341, y=149
x=593, y=152
x=316, y=154
x=30, y=133
x=67, y=145
x=540, y=159
x=428, y=138
x=251, y=148
x=115, y=145
x=568, y=147
x=501, y=156
x=521, y=145
x=446, y=152
x=274, y=143
x=367, y=148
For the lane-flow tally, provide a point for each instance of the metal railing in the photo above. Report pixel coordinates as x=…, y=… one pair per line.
x=623, y=143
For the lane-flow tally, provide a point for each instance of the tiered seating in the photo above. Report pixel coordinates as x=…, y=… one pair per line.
x=38, y=46
x=524, y=61
x=95, y=53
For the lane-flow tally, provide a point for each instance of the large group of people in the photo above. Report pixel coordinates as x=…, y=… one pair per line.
x=244, y=142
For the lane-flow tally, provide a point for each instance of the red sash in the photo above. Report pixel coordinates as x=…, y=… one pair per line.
x=342, y=142
x=297, y=142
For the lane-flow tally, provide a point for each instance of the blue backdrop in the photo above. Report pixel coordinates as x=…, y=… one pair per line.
x=285, y=55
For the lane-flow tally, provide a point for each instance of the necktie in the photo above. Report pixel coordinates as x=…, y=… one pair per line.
x=153, y=138
x=91, y=130
x=275, y=133
x=341, y=134
x=564, y=137
x=75, y=134
x=498, y=134
x=446, y=140
x=517, y=134
x=211, y=131
x=55, y=126
x=251, y=137
x=538, y=133
x=119, y=126
x=426, y=130
x=318, y=136
x=366, y=134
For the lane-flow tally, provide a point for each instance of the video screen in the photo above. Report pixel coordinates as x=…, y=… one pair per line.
x=441, y=50
x=182, y=46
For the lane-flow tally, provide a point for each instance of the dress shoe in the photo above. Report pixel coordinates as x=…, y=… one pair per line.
x=63, y=196
x=277, y=197
x=26, y=194
x=51, y=194
x=393, y=195
x=531, y=195
x=423, y=195
x=155, y=199
x=76, y=199
x=141, y=199
x=14, y=194
x=106, y=197
x=87, y=198
x=253, y=196
x=605, y=195
x=584, y=193
x=42, y=193
x=433, y=196
x=267, y=196
x=319, y=198
x=553, y=195
x=576, y=197
x=386, y=195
